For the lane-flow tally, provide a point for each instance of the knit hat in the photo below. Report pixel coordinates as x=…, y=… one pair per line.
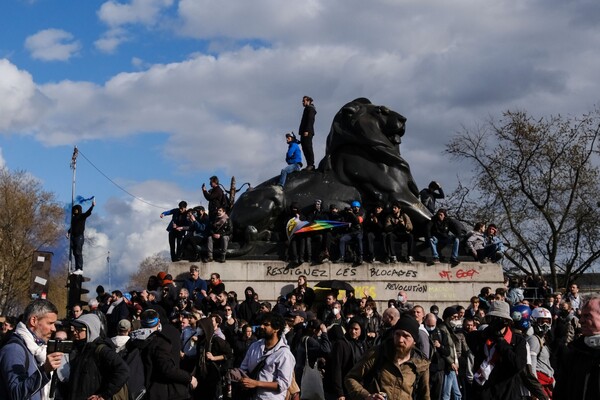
x=448, y=312
x=409, y=324
x=149, y=319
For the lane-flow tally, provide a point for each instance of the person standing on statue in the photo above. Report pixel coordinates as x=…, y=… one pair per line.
x=75, y=234
x=307, y=131
x=215, y=196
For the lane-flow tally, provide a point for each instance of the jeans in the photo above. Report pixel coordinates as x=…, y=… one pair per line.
x=77, y=249
x=287, y=170
x=348, y=237
x=223, y=242
x=450, y=387
x=435, y=241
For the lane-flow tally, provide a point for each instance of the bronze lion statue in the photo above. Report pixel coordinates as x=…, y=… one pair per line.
x=362, y=162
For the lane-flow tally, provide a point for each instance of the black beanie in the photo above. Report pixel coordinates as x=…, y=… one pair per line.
x=409, y=324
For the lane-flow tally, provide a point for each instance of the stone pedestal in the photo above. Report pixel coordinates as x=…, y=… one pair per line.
x=425, y=285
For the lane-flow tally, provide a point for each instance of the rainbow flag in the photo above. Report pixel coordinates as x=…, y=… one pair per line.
x=317, y=225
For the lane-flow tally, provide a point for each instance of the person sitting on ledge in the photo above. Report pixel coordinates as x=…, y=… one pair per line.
x=293, y=158
x=355, y=216
x=439, y=234
x=398, y=228
x=220, y=231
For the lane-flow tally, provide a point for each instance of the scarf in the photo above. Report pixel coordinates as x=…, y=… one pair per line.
x=220, y=221
x=36, y=347
x=487, y=365
x=113, y=305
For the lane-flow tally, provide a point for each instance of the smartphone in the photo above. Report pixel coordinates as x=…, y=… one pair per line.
x=62, y=346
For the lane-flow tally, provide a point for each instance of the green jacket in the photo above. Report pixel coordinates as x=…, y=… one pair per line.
x=398, y=382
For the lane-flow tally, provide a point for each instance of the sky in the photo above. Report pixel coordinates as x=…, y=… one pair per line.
x=158, y=95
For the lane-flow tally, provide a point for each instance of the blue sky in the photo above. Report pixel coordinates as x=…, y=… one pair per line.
x=161, y=94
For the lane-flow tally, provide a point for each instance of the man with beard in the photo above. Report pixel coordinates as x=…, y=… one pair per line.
x=269, y=364
x=25, y=363
x=578, y=375
x=393, y=369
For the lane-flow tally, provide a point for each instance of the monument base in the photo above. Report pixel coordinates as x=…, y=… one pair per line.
x=425, y=285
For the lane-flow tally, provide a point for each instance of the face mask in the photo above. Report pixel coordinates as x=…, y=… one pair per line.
x=430, y=328
x=592, y=341
x=400, y=299
x=336, y=311
x=455, y=324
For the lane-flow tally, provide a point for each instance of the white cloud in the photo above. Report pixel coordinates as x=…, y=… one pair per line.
x=145, y=12
x=52, y=45
x=22, y=104
x=440, y=64
x=111, y=40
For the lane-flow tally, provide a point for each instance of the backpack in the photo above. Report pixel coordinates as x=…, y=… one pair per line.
x=136, y=381
x=135, y=388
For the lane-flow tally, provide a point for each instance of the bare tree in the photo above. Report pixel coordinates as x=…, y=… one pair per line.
x=536, y=179
x=31, y=220
x=151, y=265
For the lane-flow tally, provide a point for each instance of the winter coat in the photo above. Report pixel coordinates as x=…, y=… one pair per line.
x=579, y=374
x=164, y=379
x=20, y=376
x=504, y=381
x=96, y=368
x=398, y=382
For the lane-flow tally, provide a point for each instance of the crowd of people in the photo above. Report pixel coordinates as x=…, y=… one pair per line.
x=198, y=341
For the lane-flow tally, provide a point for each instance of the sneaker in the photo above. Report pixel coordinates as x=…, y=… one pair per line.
x=393, y=259
x=78, y=272
x=410, y=260
x=435, y=261
x=484, y=260
x=209, y=259
x=325, y=259
x=310, y=168
x=359, y=260
x=338, y=260
x=221, y=259
x=454, y=262
x=386, y=260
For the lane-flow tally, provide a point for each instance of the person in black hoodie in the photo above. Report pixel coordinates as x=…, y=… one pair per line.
x=248, y=309
x=75, y=233
x=307, y=131
x=163, y=377
x=345, y=353
x=215, y=357
x=96, y=370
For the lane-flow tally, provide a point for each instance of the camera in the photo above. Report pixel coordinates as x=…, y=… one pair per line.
x=61, y=346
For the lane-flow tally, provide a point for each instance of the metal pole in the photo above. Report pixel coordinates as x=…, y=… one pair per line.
x=74, y=168
x=108, y=266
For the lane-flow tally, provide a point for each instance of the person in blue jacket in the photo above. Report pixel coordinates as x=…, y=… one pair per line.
x=293, y=158
x=25, y=361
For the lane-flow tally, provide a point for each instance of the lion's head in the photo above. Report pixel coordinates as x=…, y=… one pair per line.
x=363, y=151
